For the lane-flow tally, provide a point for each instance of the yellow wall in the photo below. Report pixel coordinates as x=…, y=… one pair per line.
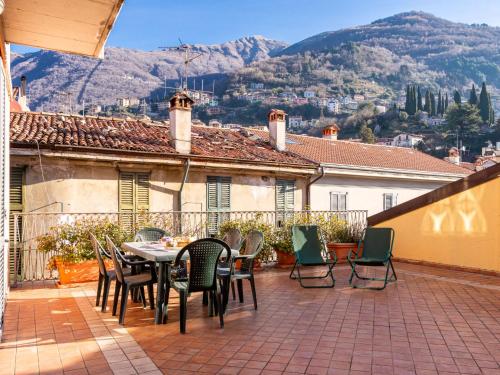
x=461, y=230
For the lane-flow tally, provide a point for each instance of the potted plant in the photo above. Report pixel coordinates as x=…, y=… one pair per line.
x=245, y=226
x=75, y=259
x=341, y=237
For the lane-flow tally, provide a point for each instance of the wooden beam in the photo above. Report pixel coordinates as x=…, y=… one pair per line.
x=99, y=50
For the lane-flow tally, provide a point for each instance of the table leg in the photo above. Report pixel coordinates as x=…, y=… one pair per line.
x=160, y=295
x=166, y=294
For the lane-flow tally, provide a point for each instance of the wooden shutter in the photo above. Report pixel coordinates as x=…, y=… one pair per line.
x=16, y=203
x=388, y=201
x=218, y=200
x=133, y=199
x=285, y=199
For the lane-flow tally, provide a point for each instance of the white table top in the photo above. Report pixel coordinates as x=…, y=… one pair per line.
x=157, y=252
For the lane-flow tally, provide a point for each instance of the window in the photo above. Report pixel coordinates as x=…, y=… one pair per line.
x=338, y=201
x=389, y=200
x=133, y=189
x=16, y=205
x=218, y=201
x=285, y=199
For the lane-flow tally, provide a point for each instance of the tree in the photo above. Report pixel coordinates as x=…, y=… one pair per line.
x=440, y=104
x=419, y=100
x=366, y=134
x=485, y=104
x=492, y=111
x=473, y=96
x=407, y=102
x=427, y=106
x=433, y=104
x=446, y=103
x=463, y=120
x=457, y=98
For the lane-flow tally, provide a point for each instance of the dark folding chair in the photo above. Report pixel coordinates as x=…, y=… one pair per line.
x=204, y=257
x=233, y=238
x=149, y=234
x=377, y=252
x=252, y=245
x=105, y=275
x=129, y=282
x=310, y=250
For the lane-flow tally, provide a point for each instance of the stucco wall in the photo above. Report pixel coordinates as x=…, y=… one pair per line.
x=461, y=230
x=93, y=187
x=366, y=193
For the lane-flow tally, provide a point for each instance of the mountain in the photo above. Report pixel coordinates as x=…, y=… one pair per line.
x=411, y=47
x=127, y=72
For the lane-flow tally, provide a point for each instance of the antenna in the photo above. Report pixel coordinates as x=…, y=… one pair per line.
x=188, y=58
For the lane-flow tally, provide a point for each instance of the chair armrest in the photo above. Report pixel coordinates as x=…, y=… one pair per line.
x=353, y=251
x=241, y=257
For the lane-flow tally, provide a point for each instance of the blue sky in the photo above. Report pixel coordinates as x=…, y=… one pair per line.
x=148, y=24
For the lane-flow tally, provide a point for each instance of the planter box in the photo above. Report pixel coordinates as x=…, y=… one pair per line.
x=285, y=259
x=71, y=273
x=342, y=250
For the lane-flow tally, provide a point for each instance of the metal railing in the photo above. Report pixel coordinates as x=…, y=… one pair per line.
x=27, y=263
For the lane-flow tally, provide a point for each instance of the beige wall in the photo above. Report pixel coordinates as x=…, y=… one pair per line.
x=366, y=193
x=93, y=187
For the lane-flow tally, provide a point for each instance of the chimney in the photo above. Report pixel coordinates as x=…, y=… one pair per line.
x=277, y=129
x=453, y=156
x=22, y=100
x=330, y=132
x=180, y=122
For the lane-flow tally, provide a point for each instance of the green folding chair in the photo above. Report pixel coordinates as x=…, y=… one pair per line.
x=310, y=250
x=377, y=252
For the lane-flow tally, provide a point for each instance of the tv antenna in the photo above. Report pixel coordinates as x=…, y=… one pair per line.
x=187, y=50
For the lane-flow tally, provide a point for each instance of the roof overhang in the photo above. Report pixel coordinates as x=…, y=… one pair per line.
x=80, y=27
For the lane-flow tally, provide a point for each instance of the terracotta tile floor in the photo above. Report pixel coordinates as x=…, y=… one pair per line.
x=432, y=321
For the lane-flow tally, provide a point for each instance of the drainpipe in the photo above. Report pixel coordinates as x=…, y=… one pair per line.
x=187, y=163
x=308, y=186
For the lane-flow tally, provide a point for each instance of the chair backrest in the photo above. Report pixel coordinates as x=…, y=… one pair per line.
x=233, y=238
x=149, y=234
x=204, y=256
x=377, y=243
x=307, y=244
x=98, y=254
x=115, y=256
x=253, y=244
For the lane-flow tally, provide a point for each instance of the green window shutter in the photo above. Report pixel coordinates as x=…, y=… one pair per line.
x=16, y=205
x=285, y=195
x=142, y=197
x=133, y=191
x=218, y=199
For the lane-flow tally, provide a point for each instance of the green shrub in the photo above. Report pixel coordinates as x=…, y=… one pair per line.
x=71, y=242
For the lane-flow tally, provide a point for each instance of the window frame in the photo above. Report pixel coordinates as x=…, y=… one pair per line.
x=338, y=194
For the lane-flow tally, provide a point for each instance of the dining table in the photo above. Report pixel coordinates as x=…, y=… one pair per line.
x=164, y=257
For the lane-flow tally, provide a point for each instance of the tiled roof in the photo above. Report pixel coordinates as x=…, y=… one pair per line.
x=55, y=130
x=364, y=155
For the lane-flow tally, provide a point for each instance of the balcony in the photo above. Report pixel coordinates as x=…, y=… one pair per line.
x=431, y=321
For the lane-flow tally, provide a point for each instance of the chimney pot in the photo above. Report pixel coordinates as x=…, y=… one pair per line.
x=180, y=122
x=277, y=129
x=330, y=132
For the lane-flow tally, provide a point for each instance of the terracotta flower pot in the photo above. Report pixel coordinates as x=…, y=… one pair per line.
x=285, y=259
x=70, y=273
x=342, y=250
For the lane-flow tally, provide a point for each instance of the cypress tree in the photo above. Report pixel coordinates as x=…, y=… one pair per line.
x=427, y=102
x=492, y=112
x=473, y=96
x=433, y=104
x=440, y=104
x=407, y=103
x=446, y=103
x=484, y=104
x=419, y=100
x=457, y=98
x=413, y=100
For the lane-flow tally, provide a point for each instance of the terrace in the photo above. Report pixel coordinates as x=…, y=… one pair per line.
x=431, y=321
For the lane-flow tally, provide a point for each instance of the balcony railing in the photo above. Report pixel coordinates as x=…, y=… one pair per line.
x=27, y=263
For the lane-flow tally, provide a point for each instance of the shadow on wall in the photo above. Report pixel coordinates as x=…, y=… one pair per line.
x=463, y=216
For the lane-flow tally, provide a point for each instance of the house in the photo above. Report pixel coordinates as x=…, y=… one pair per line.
x=128, y=102
x=333, y=106
x=93, y=164
x=294, y=121
x=359, y=176
x=82, y=29
x=256, y=86
x=407, y=140
x=308, y=94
